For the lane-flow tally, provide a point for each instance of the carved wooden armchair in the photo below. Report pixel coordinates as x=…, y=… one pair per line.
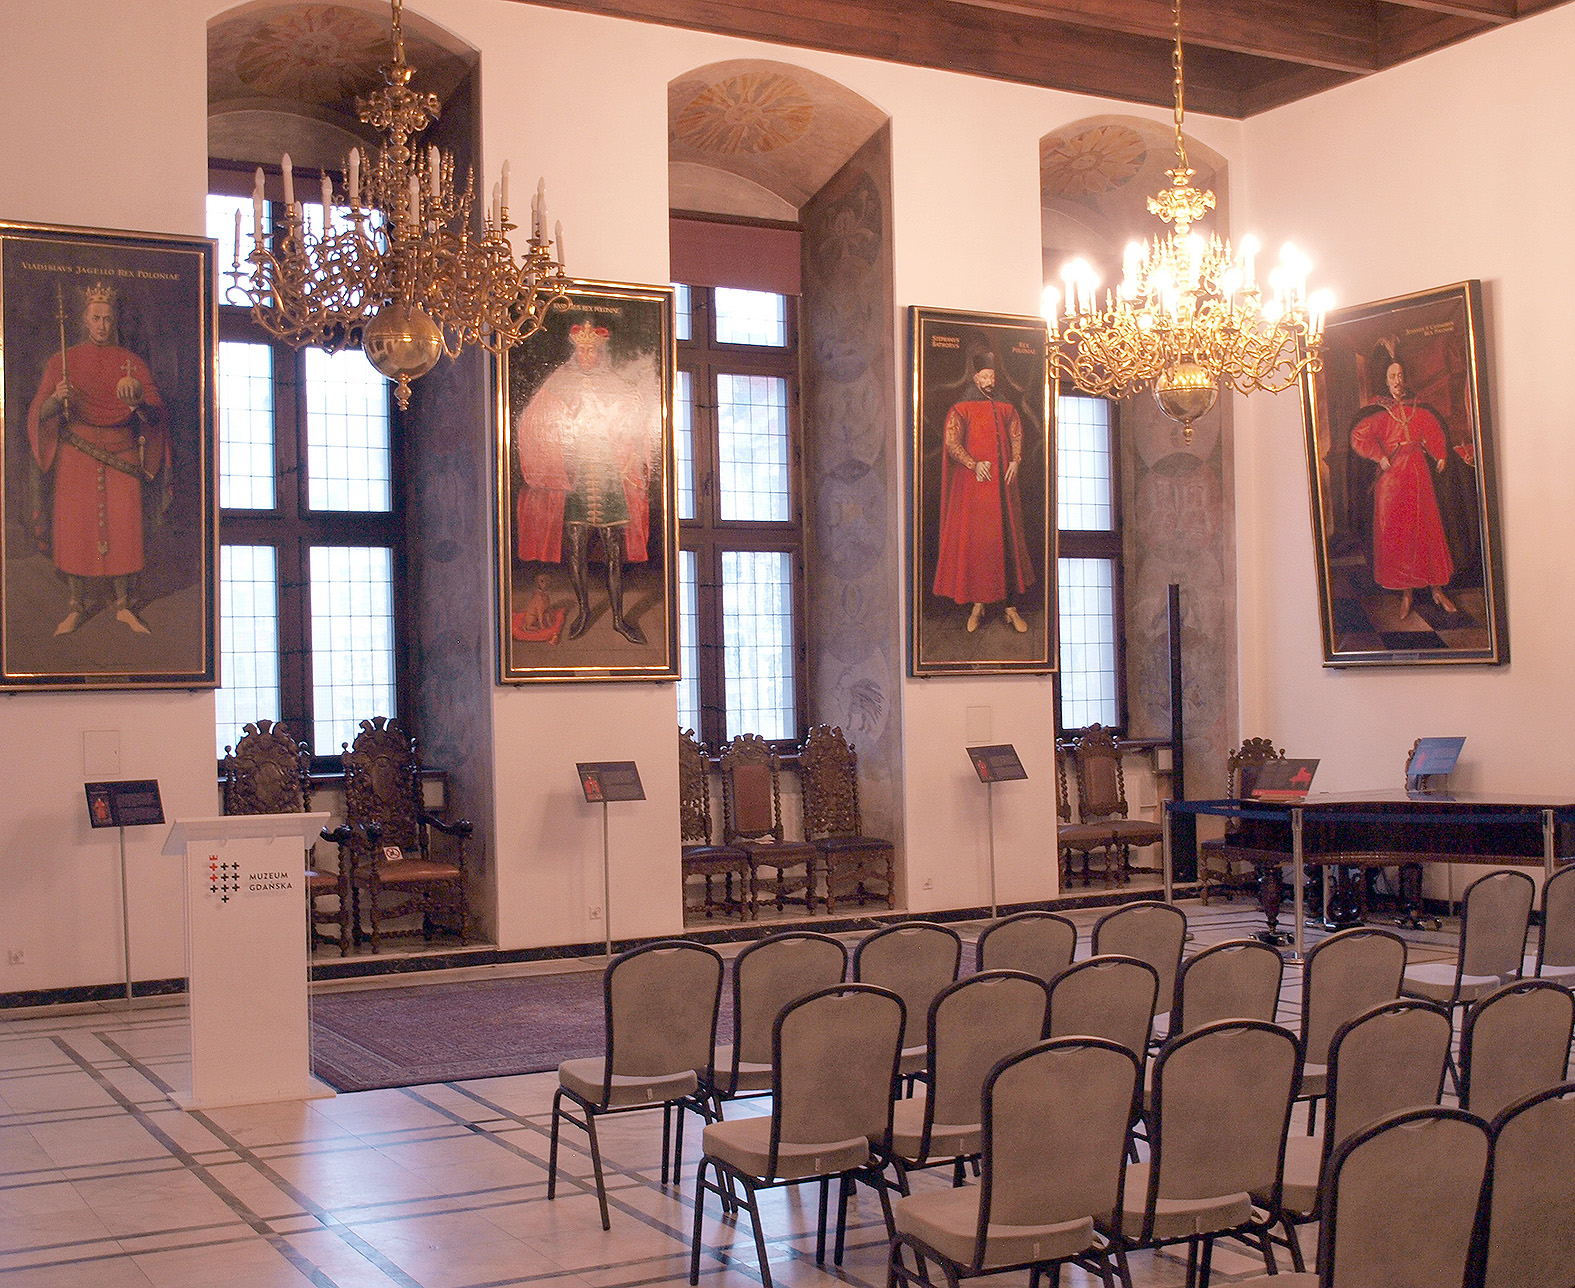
x=1102, y=796
x=752, y=820
x=700, y=857
x=386, y=838
x=1073, y=839
x=851, y=863
x=268, y=772
x=1232, y=861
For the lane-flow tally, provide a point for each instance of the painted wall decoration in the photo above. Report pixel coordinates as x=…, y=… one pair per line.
x=981, y=559
x=108, y=528
x=587, y=528
x=1404, y=499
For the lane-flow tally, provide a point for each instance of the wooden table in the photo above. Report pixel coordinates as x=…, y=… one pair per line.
x=1439, y=827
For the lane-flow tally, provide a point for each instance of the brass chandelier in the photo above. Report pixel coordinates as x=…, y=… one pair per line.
x=396, y=264
x=1188, y=316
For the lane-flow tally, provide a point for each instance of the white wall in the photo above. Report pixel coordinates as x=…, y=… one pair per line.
x=1447, y=168
x=109, y=129
x=581, y=100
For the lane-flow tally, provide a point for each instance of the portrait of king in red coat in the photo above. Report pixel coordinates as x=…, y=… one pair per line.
x=983, y=556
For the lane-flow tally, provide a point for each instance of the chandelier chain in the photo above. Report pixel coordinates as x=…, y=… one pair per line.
x=1178, y=83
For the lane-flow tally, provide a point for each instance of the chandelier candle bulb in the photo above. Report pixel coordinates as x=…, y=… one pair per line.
x=289, y=181
x=557, y=236
x=415, y=201
x=355, y=177
x=503, y=188
x=435, y=173
x=1050, y=307
x=328, y=200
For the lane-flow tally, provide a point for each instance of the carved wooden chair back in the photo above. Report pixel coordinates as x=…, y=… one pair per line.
x=382, y=784
x=694, y=791
x=1241, y=765
x=751, y=790
x=1063, y=800
x=1101, y=787
x=828, y=776
x=267, y=772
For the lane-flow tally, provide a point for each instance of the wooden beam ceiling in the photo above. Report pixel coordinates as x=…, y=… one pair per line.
x=1242, y=56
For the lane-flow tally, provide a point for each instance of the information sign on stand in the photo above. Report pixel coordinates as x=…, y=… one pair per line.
x=247, y=960
x=603, y=781
x=995, y=764
x=123, y=804
x=1433, y=758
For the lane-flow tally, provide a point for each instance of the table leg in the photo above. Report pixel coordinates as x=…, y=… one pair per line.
x=1164, y=852
x=1298, y=886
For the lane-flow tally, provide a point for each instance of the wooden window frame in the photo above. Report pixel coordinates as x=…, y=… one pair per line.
x=707, y=535
x=292, y=528
x=1082, y=543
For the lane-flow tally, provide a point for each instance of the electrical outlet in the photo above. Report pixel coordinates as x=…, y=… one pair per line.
x=16, y=956
x=595, y=914
x=929, y=883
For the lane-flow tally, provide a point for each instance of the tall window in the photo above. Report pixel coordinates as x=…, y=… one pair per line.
x=311, y=548
x=1090, y=685
x=741, y=566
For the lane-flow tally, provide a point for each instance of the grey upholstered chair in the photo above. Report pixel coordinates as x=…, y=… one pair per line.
x=1389, y=1058
x=972, y=1024
x=768, y=975
x=1531, y=1217
x=1495, y=919
x=1556, y=944
x=1152, y=932
x=661, y=1007
x=1055, y=1122
x=1221, y=1112
x=1039, y=943
x=1107, y=997
x=833, y=1073
x=1235, y=980
x=915, y=960
x=1515, y=1042
x=1402, y=1205
x=1343, y=976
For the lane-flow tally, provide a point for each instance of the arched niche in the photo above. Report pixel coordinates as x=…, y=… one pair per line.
x=1095, y=178
x=763, y=139
x=284, y=78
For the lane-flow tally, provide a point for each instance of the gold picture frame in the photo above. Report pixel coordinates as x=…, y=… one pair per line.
x=587, y=531
x=108, y=523
x=1403, y=486
x=981, y=540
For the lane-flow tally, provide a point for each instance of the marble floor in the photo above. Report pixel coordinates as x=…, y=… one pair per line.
x=105, y=1183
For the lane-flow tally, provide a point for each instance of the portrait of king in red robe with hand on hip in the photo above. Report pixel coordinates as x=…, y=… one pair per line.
x=982, y=562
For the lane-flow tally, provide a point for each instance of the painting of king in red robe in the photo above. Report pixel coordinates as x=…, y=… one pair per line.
x=982, y=570
x=108, y=527
x=587, y=522
x=1405, y=509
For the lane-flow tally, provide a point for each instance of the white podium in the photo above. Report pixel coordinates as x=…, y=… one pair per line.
x=247, y=962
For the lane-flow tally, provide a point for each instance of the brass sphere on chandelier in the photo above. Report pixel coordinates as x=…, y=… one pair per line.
x=1184, y=391
x=403, y=343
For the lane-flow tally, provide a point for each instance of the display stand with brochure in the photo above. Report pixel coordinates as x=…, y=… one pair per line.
x=995, y=764
x=603, y=781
